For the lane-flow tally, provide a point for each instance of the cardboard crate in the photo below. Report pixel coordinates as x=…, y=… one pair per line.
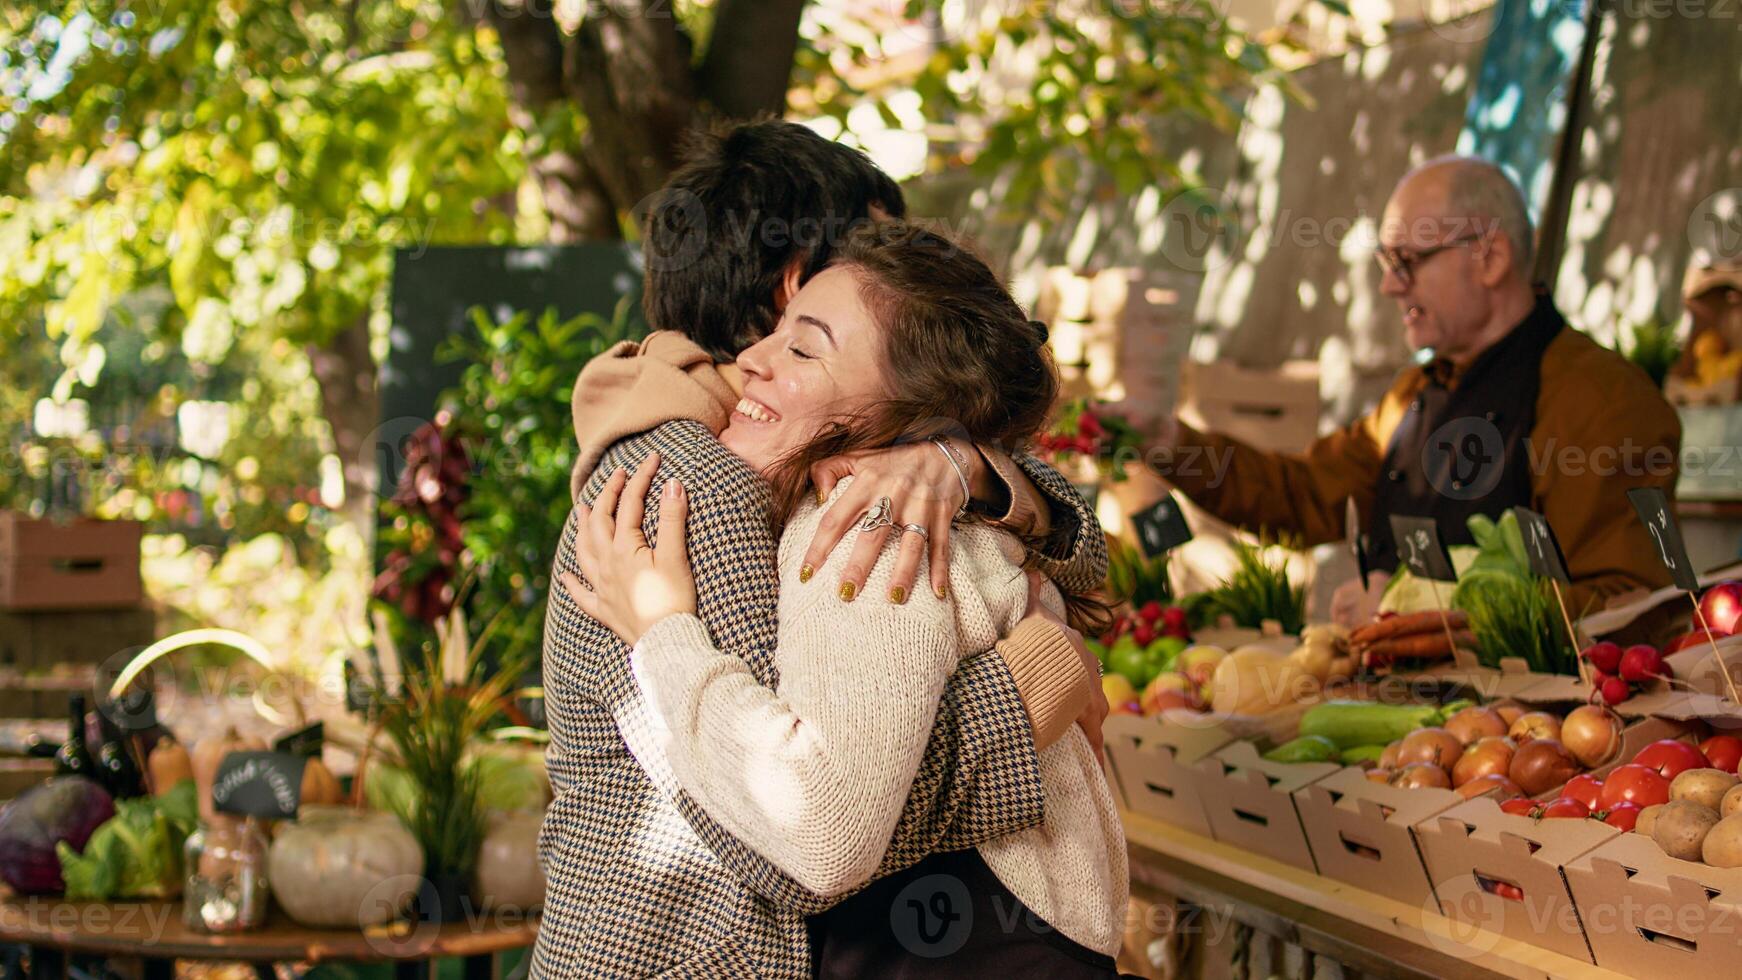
x=1650, y=617
x=1647, y=914
x=1359, y=832
x=1274, y=409
x=1249, y=801
x=1120, y=333
x=1152, y=761
x=1474, y=846
x=83, y=564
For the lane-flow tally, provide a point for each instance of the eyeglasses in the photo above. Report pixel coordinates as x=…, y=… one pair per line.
x=1402, y=263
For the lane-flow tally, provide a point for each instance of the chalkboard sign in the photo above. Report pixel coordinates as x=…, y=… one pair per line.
x=433, y=291
x=304, y=741
x=1420, y=548
x=1540, y=547
x=1161, y=527
x=1352, y=534
x=1653, y=507
x=259, y=784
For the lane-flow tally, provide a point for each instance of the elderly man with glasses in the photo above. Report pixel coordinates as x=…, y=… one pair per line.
x=1505, y=405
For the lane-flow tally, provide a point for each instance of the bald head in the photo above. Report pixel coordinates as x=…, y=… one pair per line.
x=1456, y=248
x=1468, y=187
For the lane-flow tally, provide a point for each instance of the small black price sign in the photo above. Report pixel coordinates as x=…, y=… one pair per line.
x=1420, y=548
x=1540, y=546
x=305, y=741
x=1654, y=510
x=1161, y=527
x=1356, y=540
x=259, y=784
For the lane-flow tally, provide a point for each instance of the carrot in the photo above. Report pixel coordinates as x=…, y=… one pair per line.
x=1409, y=624
x=1418, y=646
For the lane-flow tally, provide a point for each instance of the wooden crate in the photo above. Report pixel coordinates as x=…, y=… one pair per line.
x=34, y=641
x=82, y=564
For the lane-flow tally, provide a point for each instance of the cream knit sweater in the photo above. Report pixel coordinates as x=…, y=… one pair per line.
x=813, y=774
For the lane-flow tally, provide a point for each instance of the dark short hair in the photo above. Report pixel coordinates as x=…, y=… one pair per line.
x=749, y=200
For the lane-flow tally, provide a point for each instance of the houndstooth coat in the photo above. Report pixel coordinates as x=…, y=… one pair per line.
x=641, y=881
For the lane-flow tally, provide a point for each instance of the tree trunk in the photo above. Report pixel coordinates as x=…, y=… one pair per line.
x=351, y=402
x=628, y=69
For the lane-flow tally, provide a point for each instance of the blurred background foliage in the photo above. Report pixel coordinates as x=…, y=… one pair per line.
x=200, y=201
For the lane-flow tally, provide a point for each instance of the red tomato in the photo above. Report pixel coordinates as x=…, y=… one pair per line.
x=1522, y=806
x=1636, y=784
x=1585, y=788
x=1723, y=752
x=1511, y=893
x=1671, y=758
x=1622, y=815
x=1566, y=808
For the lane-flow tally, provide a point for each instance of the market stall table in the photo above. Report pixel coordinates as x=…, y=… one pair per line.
x=1360, y=930
x=153, y=932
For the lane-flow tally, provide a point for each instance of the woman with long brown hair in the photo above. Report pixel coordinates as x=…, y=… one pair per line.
x=906, y=336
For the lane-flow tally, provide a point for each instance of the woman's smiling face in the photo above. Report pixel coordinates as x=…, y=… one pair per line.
x=822, y=362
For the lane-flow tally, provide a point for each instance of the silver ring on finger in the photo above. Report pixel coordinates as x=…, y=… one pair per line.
x=878, y=516
x=918, y=529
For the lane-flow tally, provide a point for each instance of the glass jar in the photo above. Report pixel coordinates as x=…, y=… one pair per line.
x=226, y=876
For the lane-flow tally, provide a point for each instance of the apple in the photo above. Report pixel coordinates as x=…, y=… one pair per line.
x=1174, y=618
x=1150, y=612
x=1171, y=700
x=1199, y=663
x=1722, y=606
x=1144, y=634
x=1117, y=689
x=1604, y=656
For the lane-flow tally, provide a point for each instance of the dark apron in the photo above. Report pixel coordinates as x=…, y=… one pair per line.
x=1465, y=450
x=947, y=916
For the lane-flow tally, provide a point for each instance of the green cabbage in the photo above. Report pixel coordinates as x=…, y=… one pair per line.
x=137, y=852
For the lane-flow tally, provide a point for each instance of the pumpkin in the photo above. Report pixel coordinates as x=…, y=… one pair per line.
x=508, y=875
x=208, y=753
x=168, y=764
x=339, y=867
x=319, y=786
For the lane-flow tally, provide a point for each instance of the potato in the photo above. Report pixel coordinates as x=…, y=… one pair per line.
x=1647, y=819
x=1703, y=786
x=1723, y=845
x=1731, y=802
x=1681, y=828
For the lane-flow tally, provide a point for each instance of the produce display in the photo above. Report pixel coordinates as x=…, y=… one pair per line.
x=1685, y=797
x=1502, y=748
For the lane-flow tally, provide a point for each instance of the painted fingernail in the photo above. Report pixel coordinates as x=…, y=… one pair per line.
x=898, y=595
x=943, y=593
x=805, y=573
x=821, y=499
x=848, y=591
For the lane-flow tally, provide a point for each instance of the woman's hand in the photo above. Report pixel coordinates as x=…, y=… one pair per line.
x=633, y=586
x=925, y=490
